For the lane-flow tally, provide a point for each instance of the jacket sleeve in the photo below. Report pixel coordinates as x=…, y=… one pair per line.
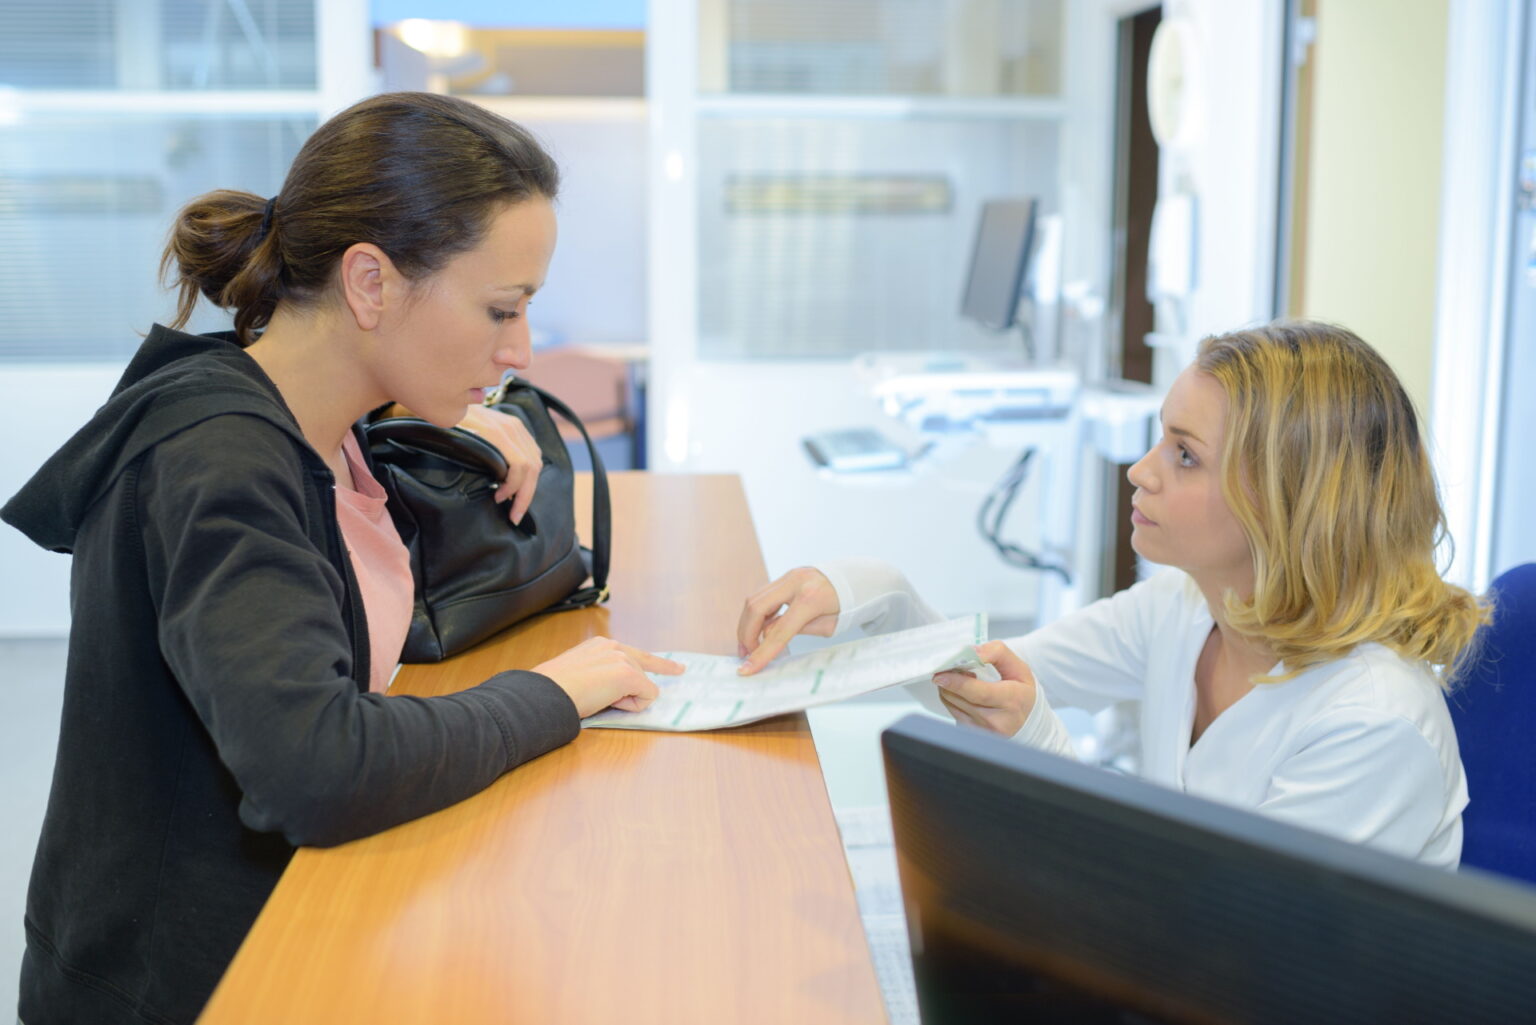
x=251, y=624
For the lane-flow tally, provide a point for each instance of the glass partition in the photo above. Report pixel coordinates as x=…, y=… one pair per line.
x=881, y=47
x=114, y=113
x=160, y=44
x=827, y=237
x=85, y=204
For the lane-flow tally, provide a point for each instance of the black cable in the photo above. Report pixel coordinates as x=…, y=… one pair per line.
x=1002, y=495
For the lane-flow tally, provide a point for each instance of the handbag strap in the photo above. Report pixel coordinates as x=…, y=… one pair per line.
x=454, y=444
x=602, y=513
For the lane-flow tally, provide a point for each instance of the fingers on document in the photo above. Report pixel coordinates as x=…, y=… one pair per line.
x=665, y=666
x=963, y=711
x=1007, y=663
x=780, y=629
x=638, y=692
x=761, y=648
x=978, y=693
x=757, y=611
x=634, y=703
x=652, y=663
x=950, y=678
x=775, y=640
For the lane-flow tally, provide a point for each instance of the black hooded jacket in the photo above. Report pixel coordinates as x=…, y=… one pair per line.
x=216, y=705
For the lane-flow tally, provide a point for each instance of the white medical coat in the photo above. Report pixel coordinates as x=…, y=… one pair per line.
x=1361, y=747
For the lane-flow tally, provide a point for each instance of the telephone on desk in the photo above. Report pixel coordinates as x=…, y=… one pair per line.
x=854, y=449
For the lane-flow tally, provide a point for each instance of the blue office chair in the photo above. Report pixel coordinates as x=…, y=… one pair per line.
x=1494, y=709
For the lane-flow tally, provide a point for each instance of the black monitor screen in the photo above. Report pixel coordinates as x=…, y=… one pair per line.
x=1004, y=236
x=1039, y=889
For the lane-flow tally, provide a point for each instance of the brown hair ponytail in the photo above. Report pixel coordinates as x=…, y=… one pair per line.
x=416, y=174
x=219, y=250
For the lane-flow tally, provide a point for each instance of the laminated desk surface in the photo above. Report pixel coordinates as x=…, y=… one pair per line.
x=629, y=876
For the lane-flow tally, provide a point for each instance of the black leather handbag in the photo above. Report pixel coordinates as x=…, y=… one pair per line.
x=476, y=571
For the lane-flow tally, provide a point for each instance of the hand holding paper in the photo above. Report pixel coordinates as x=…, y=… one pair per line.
x=709, y=694
x=999, y=701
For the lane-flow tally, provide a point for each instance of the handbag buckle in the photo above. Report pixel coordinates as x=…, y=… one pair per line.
x=497, y=394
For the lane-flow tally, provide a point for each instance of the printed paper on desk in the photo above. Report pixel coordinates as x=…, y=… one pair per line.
x=709, y=694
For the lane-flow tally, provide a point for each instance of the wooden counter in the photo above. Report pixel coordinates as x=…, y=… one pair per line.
x=627, y=877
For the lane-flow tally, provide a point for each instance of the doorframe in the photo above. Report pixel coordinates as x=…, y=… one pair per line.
x=1482, y=73
x=1131, y=315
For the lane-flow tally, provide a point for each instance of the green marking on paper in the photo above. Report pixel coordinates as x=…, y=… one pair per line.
x=817, y=687
x=734, y=710
x=682, y=712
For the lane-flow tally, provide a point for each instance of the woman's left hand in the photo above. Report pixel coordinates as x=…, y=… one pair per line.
x=522, y=453
x=1000, y=706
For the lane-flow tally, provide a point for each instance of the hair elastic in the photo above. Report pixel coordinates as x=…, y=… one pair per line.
x=266, y=219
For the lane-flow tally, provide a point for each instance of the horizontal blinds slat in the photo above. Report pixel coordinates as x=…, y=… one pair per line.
x=169, y=44
x=85, y=204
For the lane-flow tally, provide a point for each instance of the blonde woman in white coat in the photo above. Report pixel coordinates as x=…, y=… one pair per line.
x=1293, y=656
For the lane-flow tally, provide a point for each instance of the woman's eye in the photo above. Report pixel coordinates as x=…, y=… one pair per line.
x=500, y=315
x=1185, y=458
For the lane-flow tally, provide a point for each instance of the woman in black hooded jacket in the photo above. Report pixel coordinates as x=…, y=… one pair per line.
x=217, y=707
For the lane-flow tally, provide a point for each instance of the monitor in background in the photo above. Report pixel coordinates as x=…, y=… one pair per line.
x=1005, y=234
x=1039, y=889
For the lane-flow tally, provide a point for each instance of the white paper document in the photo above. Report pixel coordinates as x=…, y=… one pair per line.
x=709, y=694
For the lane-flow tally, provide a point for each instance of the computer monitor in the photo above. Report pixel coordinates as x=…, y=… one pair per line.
x=1005, y=234
x=1039, y=889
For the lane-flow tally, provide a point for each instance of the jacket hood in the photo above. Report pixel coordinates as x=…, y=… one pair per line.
x=174, y=381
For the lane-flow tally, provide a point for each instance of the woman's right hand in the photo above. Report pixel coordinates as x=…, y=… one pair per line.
x=802, y=601
x=600, y=672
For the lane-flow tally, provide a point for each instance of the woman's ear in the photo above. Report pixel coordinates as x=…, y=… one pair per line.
x=368, y=282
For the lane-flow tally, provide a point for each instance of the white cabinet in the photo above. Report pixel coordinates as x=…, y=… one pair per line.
x=816, y=174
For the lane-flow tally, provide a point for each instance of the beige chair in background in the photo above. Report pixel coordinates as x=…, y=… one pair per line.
x=604, y=389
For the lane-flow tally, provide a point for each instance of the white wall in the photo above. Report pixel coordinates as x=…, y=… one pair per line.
x=1233, y=165
x=40, y=407
x=1378, y=101
x=595, y=291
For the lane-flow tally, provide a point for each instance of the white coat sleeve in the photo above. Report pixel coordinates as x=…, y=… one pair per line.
x=1089, y=659
x=1097, y=656
x=1044, y=729
x=1368, y=777
x=875, y=597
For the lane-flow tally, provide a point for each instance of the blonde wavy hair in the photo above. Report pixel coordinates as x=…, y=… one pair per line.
x=1324, y=467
